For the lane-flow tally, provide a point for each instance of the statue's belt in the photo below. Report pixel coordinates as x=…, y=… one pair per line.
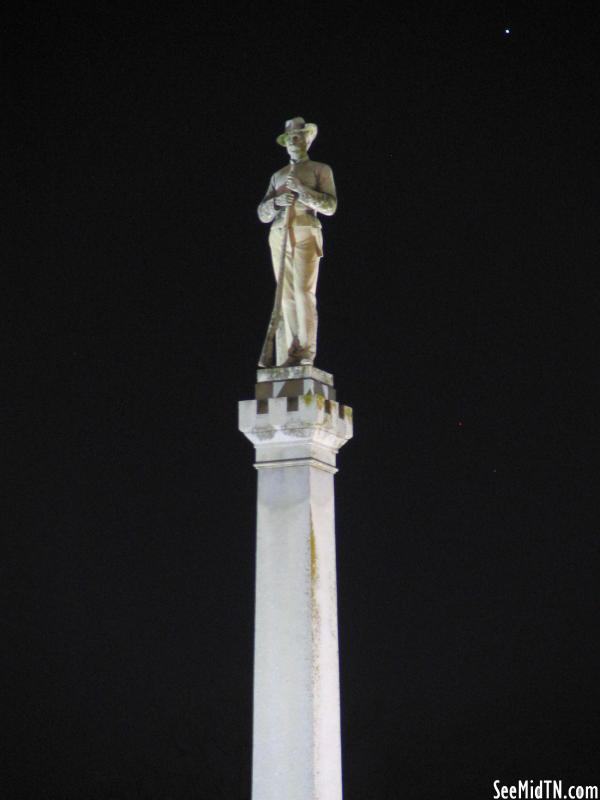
x=306, y=219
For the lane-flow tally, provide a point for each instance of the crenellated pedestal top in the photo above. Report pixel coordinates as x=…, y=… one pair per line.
x=295, y=417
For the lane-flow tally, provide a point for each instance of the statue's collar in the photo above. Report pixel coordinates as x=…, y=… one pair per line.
x=299, y=161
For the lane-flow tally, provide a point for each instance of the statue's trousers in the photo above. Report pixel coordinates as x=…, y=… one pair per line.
x=303, y=252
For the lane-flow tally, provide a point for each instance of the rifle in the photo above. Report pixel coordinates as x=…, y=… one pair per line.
x=267, y=357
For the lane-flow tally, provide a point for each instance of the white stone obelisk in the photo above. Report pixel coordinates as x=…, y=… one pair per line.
x=297, y=427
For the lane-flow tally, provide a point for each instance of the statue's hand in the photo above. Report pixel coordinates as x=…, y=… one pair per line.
x=294, y=184
x=284, y=200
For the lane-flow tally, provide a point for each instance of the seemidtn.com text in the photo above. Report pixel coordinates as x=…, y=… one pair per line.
x=544, y=790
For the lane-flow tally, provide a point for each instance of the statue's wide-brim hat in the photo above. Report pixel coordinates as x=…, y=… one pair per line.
x=298, y=125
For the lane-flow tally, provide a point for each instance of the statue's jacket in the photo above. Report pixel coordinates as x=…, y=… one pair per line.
x=318, y=198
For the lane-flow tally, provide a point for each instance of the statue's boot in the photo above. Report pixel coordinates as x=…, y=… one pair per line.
x=297, y=355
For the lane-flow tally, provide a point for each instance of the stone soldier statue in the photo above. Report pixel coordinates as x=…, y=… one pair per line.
x=297, y=193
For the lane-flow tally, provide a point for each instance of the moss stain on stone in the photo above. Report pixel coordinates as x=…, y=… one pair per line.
x=316, y=619
x=313, y=554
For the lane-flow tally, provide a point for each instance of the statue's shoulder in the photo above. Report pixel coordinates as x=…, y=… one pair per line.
x=318, y=166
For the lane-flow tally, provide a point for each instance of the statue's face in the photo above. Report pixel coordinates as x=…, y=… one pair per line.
x=296, y=144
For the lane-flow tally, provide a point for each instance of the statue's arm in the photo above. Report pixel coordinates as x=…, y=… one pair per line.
x=267, y=208
x=324, y=198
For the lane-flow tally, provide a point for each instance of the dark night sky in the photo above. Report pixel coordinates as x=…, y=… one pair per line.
x=451, y=292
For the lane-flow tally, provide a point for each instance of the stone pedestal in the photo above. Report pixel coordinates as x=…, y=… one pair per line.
x=297, y=426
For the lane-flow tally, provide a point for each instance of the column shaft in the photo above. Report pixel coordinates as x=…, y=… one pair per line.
x=296, y=735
